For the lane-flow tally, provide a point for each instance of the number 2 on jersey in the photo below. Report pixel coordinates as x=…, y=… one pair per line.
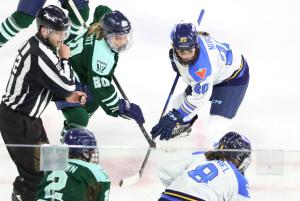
x=204, y=173
x=59, y=180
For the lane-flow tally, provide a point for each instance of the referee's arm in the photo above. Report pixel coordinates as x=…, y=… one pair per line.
x=55, y=74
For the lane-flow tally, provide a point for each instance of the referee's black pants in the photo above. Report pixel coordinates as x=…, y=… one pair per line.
x=17, y=128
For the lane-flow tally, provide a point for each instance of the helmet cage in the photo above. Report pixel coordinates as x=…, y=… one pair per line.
x=82, y=143
x=110, y=38
x=237, y=149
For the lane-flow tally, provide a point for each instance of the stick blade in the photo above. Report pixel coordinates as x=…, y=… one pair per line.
x=130, y=180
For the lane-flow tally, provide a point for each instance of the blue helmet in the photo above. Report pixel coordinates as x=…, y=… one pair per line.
x=115, y=23
x=86, y=141
x=233, y=140
x=184, y=36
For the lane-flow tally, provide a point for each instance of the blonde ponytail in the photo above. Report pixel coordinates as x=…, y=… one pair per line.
x=96, y=30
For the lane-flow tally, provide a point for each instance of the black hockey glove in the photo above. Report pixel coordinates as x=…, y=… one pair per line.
x=166, y=124
x=131, y=111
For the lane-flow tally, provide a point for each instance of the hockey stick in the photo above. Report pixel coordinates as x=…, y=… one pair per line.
x=170, y=95
x=77, y=14
x=135, y=178
x=79, y=17
x=177, y=75
x=146, y=135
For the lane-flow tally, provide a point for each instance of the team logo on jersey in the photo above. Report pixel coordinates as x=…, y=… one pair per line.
x=201, y=73
x=101, y=66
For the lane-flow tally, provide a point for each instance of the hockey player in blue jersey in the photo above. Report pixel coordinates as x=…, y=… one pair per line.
x=212, y=176
x=213, y=71
x=26, y=12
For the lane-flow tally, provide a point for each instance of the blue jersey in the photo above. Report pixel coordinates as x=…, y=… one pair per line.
x=199, y=179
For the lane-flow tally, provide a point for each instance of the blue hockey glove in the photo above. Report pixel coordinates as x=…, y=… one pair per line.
x=80, y=4
x=131, y=111
x=166, y=124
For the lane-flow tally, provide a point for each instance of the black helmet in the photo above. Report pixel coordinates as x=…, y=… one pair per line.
x=52, y=17
x=115, y=23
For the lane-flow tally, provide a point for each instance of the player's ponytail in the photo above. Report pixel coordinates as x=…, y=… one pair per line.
x=96, y=30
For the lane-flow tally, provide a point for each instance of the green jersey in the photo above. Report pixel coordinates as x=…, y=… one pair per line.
x=83, y=181
x=94, y=63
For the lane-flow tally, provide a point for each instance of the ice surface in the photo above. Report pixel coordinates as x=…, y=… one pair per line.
x=267, y=32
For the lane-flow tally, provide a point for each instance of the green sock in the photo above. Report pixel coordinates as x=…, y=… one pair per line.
x=13, y=24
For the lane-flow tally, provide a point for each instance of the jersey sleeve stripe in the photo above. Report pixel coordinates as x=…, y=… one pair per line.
x=112, y=96
x=49, y=54
x=182, y=111
x=189, y=105
x=112, y=103
x=54, y=77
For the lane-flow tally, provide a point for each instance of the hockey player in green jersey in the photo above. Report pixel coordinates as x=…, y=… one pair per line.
x=26, y=13
x=94, y=58
x=84, y=180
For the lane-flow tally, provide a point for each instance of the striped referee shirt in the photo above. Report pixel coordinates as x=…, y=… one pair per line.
x=37, y=76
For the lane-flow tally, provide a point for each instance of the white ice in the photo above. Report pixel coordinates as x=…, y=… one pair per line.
x=268, y=34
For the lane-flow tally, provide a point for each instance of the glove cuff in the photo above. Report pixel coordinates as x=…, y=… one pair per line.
x=178, y=115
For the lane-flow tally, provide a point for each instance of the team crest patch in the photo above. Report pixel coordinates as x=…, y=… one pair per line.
x=201, y=73
x=183, y=39
x=101, y=66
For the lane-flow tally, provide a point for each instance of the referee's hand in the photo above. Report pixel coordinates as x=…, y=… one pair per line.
x=77, y=97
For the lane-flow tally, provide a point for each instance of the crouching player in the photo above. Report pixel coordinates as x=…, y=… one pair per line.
x=84, y=180
x=215, y=175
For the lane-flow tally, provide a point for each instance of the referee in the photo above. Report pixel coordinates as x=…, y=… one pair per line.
x=37, y=77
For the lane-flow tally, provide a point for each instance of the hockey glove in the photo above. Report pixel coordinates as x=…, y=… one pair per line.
x=80, y=4
x=166, y=124
x=131, y=111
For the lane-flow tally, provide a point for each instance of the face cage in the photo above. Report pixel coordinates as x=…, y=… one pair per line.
x=244, y=165
x=186, y=63
x=65, y=35
x=125, y=47
x=92, y=155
